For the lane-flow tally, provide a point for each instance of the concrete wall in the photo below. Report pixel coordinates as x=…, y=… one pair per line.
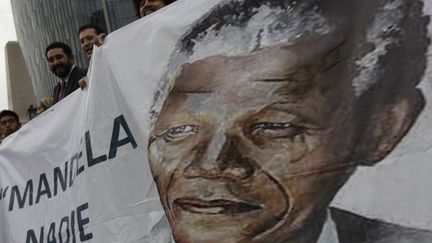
x=19, y=84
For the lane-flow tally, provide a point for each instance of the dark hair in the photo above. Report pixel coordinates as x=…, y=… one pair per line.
x=98, y=29
x=57, y=44
x=9, y=113
x=136, y=4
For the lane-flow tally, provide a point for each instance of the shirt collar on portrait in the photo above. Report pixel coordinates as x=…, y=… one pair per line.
x=329, y=232
x=69, y=74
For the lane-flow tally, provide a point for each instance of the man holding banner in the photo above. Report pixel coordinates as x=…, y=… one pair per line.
x=61, y=62
x=271, y=107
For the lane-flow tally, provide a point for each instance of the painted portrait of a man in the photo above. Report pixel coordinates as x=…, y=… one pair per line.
x=271, y=106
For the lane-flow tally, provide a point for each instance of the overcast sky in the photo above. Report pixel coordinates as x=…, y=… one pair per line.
x=7, y=33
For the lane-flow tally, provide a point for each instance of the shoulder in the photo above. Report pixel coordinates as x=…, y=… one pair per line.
x=78, y=73
x=354, y=228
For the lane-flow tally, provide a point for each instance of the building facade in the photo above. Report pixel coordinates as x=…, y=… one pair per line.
x=40, y=22
x=19, y=85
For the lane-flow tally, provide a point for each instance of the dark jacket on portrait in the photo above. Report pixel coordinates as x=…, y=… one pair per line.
x=353, y=228
x=72, y=84
x=350, y=227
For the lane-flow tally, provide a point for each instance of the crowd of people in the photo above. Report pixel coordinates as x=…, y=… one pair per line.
x=61, y=62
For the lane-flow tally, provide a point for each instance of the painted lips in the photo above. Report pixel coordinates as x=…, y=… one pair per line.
x=220, y=206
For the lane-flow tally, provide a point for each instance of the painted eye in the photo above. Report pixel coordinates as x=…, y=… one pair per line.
x=179, y=132
x=276, y=130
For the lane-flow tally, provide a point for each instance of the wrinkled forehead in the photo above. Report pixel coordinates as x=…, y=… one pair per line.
x=290, y=65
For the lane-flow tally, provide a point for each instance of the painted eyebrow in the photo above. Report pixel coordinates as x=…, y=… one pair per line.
x=294, y=109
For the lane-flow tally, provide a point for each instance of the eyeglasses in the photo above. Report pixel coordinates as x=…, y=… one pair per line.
x=9, y=121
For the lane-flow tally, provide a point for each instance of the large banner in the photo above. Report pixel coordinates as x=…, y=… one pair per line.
x=78, y=173
x=237, y=121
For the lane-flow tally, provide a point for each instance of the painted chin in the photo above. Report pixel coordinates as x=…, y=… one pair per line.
x=224, y=220
x=227, y=217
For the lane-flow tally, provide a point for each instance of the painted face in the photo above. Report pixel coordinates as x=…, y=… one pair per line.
x=253, y=148
x=88, y=38
x=9, y=125
x=149, y=6
x=59, y=63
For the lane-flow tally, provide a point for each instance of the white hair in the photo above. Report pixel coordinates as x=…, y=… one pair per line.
x=385, y=21
x=273, y=22
x=264, y=29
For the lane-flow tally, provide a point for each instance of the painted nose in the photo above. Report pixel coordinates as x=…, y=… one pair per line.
x=221, y=158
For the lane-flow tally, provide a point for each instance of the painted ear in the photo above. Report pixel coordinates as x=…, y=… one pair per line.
x=390, y=125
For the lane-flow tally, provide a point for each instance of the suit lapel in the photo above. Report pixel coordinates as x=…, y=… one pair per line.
x=56, y=93
x=71, y=80
x=351, y=229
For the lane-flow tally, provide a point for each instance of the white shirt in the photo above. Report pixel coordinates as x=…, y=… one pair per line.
x=329, y=232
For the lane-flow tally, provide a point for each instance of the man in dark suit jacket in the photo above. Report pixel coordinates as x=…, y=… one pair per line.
x=90, y=35
x=61, y=62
